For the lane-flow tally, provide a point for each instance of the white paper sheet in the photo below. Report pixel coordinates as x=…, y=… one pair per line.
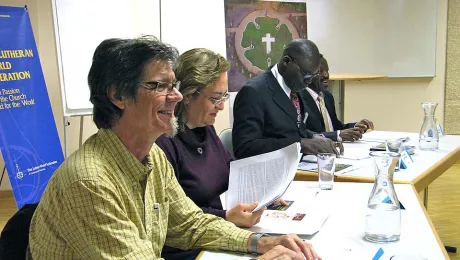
x=355, y=153
x=262, y=178
x=377, y=136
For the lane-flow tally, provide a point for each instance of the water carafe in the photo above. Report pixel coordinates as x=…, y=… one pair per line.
x=429, y=136
x=383, y=219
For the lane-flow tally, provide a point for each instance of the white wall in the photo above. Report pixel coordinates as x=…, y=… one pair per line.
x=394, y=104
x=200, y=31
x=392, y=37
x=82, y=29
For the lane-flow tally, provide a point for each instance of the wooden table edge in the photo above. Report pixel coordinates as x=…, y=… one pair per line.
x=313, y=176
x=420, y=182
x=427, y=177
x=200, y=255
x=355, y=76
x=433, y=229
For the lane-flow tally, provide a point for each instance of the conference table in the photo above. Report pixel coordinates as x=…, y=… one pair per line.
x=342, y=234
x=427, y=166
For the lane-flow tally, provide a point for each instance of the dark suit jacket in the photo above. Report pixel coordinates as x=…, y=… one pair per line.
x=265, y=119
x=315, y=120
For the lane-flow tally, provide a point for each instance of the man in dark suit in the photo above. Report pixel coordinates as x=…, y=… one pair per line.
x=269, y=110
x=323, y=117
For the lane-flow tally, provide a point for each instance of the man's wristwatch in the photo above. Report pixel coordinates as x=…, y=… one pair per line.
x=255, y=239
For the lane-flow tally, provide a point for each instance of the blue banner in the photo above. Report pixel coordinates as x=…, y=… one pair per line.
x=29, y=140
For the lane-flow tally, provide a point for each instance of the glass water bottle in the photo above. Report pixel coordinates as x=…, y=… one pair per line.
x=383, y=219
x=429, y=136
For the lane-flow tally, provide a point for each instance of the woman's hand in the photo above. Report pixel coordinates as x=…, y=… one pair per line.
x=241, y=215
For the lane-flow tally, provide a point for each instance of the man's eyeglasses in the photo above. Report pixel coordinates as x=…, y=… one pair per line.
x=217, y=101
x=308, y=78
x=160, y=87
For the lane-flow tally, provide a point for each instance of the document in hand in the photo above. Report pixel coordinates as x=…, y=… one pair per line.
x=262, y=178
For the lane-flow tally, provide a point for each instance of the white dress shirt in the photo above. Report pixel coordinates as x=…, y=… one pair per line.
x=280, y=80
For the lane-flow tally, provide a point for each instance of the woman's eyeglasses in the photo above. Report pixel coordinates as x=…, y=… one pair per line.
x=217, y=101
x=160, y=87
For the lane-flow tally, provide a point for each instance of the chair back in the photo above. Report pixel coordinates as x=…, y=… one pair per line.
x=226, y=139
x=15, y=235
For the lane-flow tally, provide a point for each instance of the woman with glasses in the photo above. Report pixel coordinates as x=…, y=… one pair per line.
x=200, y=161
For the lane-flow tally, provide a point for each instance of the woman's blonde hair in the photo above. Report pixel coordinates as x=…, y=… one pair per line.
x=196, y=69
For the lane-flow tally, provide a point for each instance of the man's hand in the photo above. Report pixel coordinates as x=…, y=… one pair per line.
x=279, y=252
x=351, y=134
x=241, y=215
x=318, y=144
x=365, y=125
x=292, y=242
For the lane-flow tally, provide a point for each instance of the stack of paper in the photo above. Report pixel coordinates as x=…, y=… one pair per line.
x=263, y=178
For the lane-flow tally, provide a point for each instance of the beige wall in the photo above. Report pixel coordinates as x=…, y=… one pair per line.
x=452, y=106
x=394, y=104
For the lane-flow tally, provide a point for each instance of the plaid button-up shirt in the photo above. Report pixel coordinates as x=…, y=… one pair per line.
x=103, y=203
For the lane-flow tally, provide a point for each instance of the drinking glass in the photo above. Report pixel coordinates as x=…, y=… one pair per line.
x=326, y=170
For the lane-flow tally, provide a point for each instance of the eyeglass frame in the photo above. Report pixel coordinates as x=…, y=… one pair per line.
x=308, y=78
x=155, y=85
x=215, y=101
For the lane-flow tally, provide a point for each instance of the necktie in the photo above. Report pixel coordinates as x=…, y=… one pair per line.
x=322, y=108
x=295, y=102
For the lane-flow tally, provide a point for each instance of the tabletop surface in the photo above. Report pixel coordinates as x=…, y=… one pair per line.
x=341, y=236
x=423, y=160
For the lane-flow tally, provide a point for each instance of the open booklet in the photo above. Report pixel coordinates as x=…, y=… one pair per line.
x=305, y=217
x=263, y=178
